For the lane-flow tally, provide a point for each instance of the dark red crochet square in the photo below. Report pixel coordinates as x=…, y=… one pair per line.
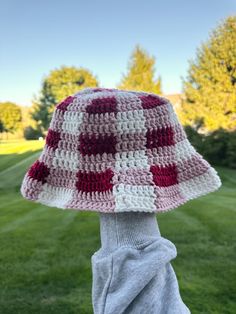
x=95, y=90
x=164, y=176
x=65, y=103
x=102, y=105
x=39, y=171
x=151, y=101
x=160, y=137
x=97, y=144
x=94, y=181
x=52, y=138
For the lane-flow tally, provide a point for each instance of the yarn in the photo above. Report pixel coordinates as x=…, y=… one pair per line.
x=111, y=150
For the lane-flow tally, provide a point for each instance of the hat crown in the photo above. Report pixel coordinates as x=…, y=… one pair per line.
x=114, y=150
x=106, y=101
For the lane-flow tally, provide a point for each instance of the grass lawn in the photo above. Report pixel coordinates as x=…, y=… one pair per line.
x=45, y=254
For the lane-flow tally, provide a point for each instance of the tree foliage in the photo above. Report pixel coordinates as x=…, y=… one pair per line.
x=59, y=84
x=140, y=75
x=210, y=87
x=30, y=128
x=218, y=147
x=10, y=117
x=31, y=133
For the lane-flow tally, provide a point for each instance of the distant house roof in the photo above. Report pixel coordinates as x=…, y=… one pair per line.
x=175, y=99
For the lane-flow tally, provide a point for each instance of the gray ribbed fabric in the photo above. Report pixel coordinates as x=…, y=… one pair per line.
x=132, y=273
x=127, y=229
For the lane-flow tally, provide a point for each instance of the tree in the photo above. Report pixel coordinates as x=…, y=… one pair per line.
x=210, y=86
x=141, y=70
x=10, y=117
x=59, y=84
x=30, y=128
x=31, y=133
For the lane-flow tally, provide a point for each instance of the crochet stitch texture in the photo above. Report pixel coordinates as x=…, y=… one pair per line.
x=111, y=150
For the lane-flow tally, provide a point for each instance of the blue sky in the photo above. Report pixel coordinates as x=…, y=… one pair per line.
x=39, y=36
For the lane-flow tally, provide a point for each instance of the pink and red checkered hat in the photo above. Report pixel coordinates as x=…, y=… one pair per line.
x=110, y=150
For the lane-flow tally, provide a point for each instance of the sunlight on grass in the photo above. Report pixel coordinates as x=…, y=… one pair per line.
x=20, y=146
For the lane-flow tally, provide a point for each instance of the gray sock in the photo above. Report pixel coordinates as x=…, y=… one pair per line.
x=127, y=229
x=132, y=273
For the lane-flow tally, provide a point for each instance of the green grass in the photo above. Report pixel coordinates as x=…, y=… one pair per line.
x=45, y=254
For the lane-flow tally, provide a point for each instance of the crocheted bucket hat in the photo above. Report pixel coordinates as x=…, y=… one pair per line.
x=110, y=150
